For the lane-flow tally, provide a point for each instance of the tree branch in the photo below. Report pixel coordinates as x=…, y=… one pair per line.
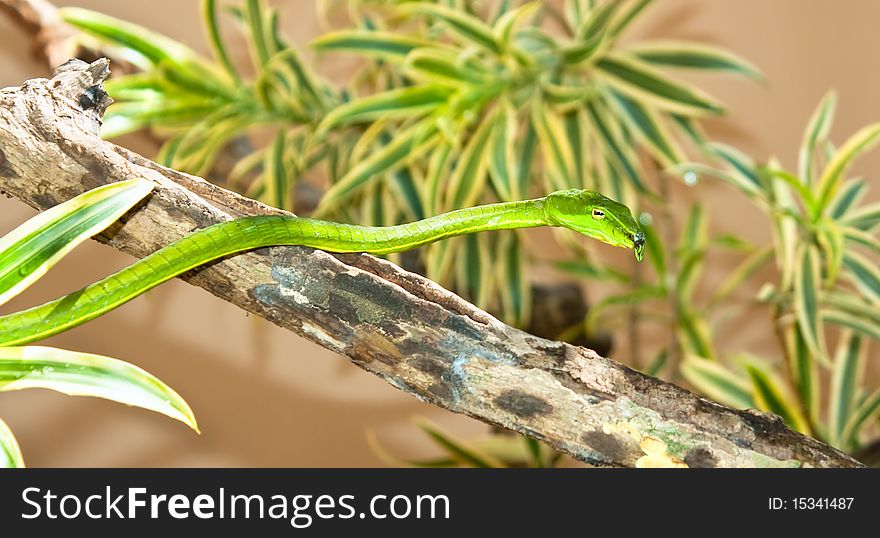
x=402, y=327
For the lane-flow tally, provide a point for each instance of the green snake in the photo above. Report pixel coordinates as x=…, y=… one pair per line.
x=587, y=212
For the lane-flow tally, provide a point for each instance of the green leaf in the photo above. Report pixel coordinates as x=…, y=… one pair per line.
x=804, y=370
x=740, y=274
x=627, y=16
x=769, y=396
x=848, y=197
x=456, y=448
x=807, y=288
x=10, y=453
x=694, y=333
x=472, y=29
x=616, y=151
x=597, y=22
x=257, y=33
x=408, y=193
x=717, y=382
x=373, y=44
x=408, y=144
x=30, y=250
x=740, y=164
x=506, y=24
x=591, y=271
x=656, y=252
x=209, y=16
x=867, y=409
x=475, y=269
x=468, y=179
x=737, y=180
x=863, y=325
x=816, y=132
x=155, y=47
x=83, y=374
x=642, y=82
x=630, y=297
x=408, y=102
x=557, y=154
x=441, y=66
x=515, y=287
x=845, y=383
x=857, y=144
x=502, y=164
x=865, y=218
x=526, y=150
x=831, y=240
x=648, y=128
x=278, y=192
x=687, y=55
x=864, y=274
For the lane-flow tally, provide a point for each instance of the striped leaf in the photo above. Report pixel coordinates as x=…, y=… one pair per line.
x=591, y=271
x=456, y=448
x=648, y=127
x=832, y=175
x=845, y=382
x=737, y=180
x=502, y=163
x=816, y=133
x=408, y=144
x=804, y=370
x=642, y=82
x=212, y=25
x=475, y=267
x=277, y=175
x=628, y=15
x=868, y=409
x=694, y=333
x=526, y=150
x=597, y=22
x=864, y=274
x=849, y=196
x=82, y=374
x=558, y=155
x=27, y=252
x=372, y=44
x=153, y=47
x=656, y=252
x=831, y=240
x=769, y=396
x=741, y=273
x=10, y=453
x=687, y=55
x=409, y=102
x=513, y=281
x=257, y=34
x=469, y=176
x=618, y=152
x=865, y=218
x=509, y=20
x=441, y=66
x=717, y=382
x=468, y=27
x=862, y=325
x=807, y=286
x=739, y=163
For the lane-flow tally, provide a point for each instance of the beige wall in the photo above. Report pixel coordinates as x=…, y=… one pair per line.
x=265, y=397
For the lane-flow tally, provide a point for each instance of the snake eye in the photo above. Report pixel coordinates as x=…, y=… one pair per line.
x=598, y=214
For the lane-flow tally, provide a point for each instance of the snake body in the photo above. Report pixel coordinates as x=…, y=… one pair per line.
x=584, y=211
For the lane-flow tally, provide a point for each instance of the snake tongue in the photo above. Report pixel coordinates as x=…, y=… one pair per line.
x=639, y=245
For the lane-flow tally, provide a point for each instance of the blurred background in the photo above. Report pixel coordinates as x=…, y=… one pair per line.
x=265, y=397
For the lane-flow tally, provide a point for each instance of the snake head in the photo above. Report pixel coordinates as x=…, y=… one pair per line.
x=596, y=216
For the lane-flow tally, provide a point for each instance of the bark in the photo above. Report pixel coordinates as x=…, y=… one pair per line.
x=400, y=326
